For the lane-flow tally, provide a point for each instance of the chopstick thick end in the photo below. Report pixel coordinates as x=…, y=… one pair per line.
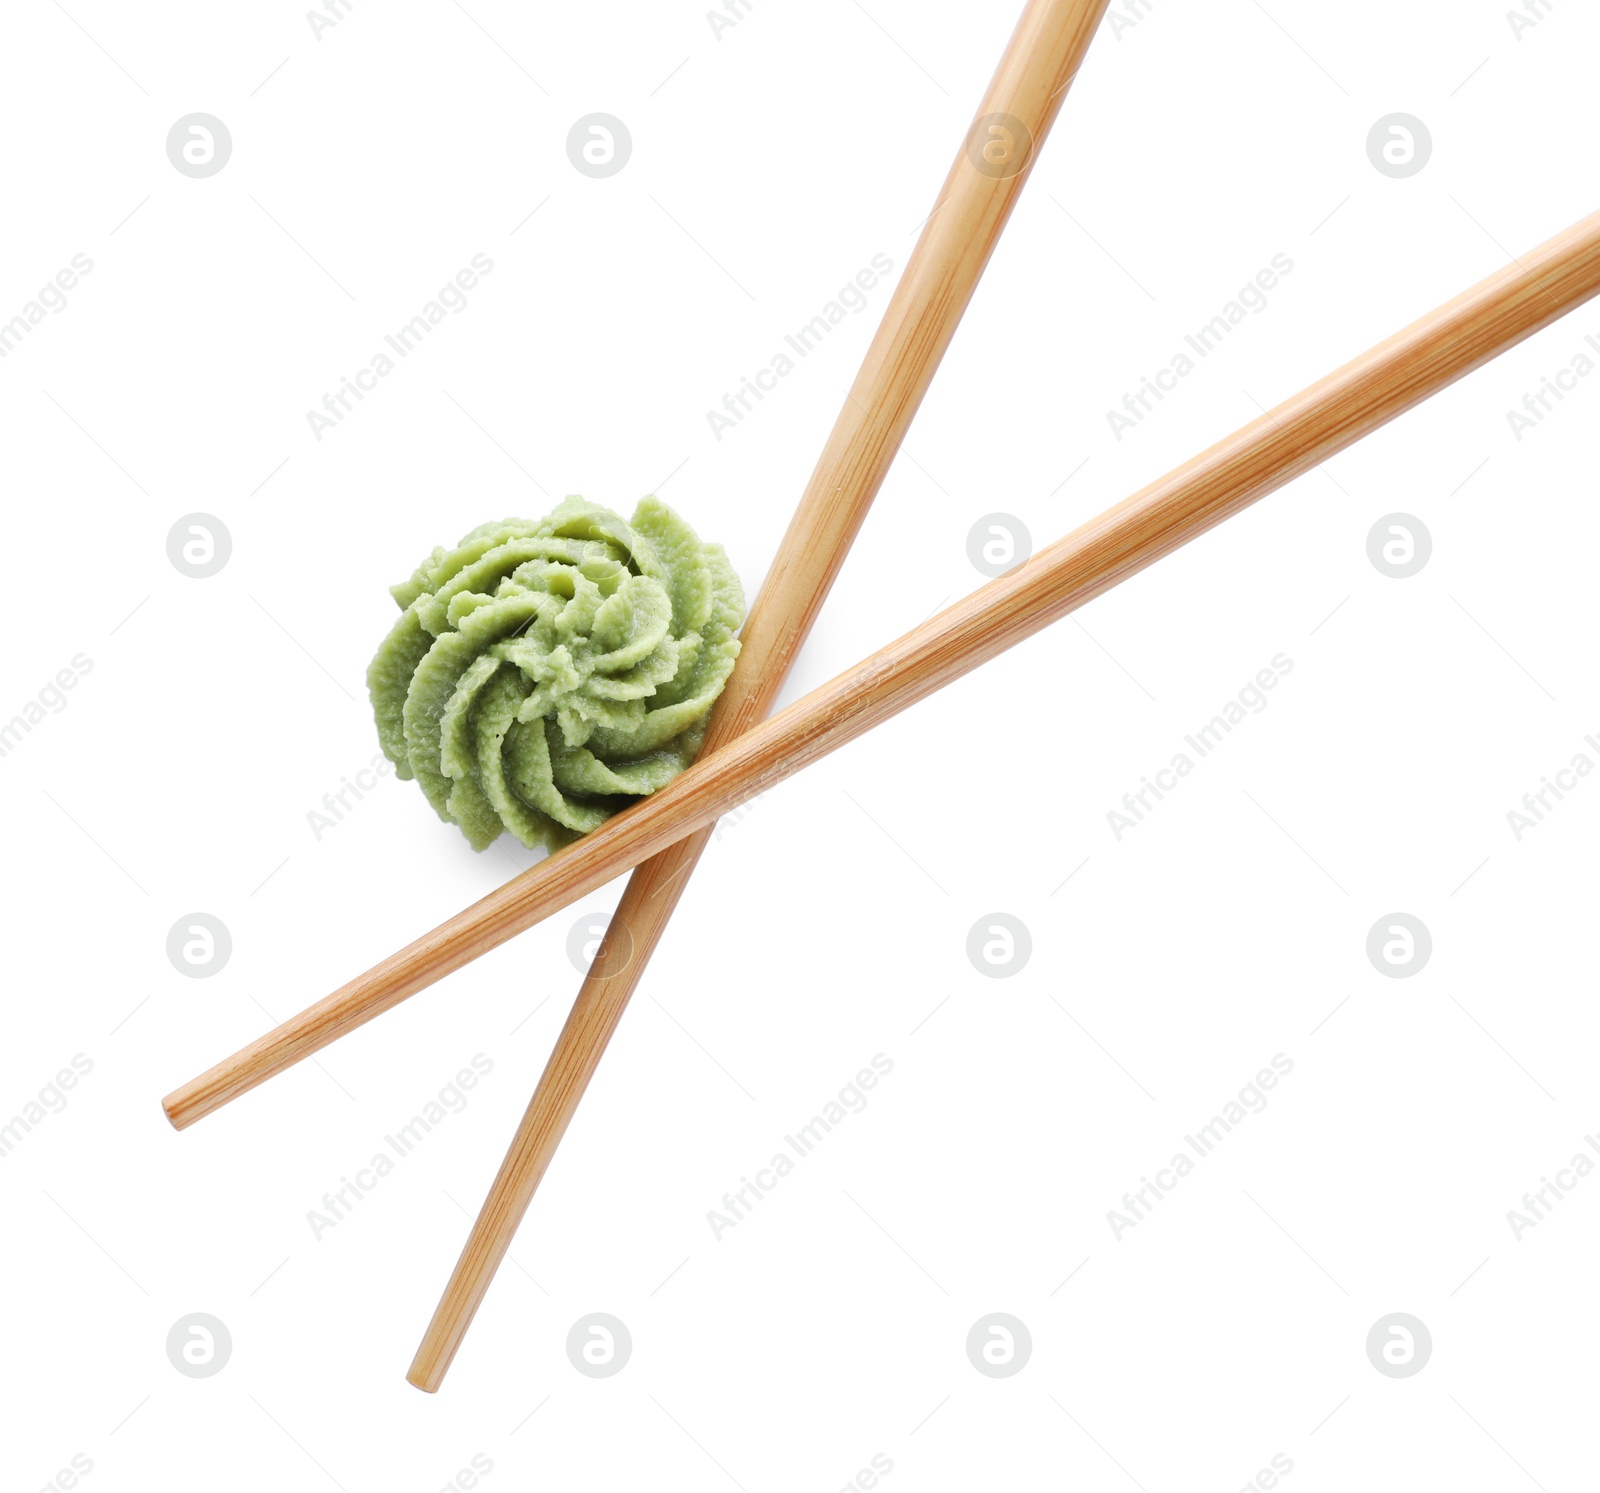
x=420, y=1378
x=180, y=1109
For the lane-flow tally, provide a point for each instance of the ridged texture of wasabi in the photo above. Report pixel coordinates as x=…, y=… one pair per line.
x=544, y=675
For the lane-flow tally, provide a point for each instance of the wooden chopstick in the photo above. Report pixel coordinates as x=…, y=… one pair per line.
x=957, y=238
x=1308, y=428
x=1040, y=61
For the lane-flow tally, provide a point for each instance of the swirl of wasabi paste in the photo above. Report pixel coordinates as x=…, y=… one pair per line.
x=544, y=675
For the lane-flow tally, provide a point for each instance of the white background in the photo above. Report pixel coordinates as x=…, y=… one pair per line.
x=830, y=923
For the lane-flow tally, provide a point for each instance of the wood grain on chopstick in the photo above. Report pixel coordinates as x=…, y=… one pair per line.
x=1040, y=61
x=1306, y=429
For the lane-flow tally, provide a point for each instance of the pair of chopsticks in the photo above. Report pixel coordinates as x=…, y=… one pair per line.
x=953, y=248
x=1304, y=431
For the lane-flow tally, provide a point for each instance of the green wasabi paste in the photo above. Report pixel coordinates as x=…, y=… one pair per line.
x=544, y=675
